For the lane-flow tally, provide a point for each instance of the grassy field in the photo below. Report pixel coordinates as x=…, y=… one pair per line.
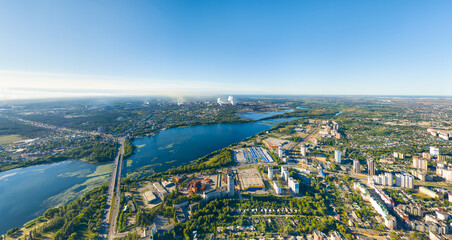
x=7, y=139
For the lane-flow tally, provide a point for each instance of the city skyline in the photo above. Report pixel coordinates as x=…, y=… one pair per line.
x=86, y=49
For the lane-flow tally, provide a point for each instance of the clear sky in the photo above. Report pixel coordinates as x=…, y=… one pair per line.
x=83, y=48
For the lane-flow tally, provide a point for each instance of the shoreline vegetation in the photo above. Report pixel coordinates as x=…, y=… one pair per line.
x=56, y=220
x=101, y=152
x=217, y=159
x=105, y=151
x=73, y=221
x=306, y=113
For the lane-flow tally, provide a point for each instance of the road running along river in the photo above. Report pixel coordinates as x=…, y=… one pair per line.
x=27, y=193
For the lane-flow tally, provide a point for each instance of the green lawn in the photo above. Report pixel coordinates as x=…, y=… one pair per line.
x=7, y=139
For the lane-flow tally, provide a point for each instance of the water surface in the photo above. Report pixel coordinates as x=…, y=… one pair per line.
x=27, y=193
x=178, y=146
x=259, y=115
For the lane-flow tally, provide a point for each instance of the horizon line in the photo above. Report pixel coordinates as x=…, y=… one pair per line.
x=213, y=95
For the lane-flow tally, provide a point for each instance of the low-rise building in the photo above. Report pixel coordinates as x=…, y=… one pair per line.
x=149, y=197
x=214, y=194
x=161, y=190
x=320, y=235
x=428, y=192
x=390, y=221
x=385, y=197
x=335, y=235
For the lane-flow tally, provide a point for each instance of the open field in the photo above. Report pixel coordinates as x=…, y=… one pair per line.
x=7, y=139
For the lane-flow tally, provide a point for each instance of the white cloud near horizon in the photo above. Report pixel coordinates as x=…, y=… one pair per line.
x=16, y=85
x=32, y=85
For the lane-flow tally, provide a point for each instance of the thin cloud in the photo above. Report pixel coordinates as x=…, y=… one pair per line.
x=29, y=85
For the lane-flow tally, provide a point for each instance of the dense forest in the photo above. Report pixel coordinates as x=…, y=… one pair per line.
x=128, y=148
x=8, y=127
x=91, y=150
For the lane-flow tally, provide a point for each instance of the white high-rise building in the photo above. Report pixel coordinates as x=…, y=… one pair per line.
x=404, y=180
x=398, y=180
x=443, y=171
x=426, y=155
x=420, y=163
x=370, y=167
x=231, y=185
x=447, y=175
x=283, y=169
x=382, y=179
x=434, y=151
x=303, y=150
x=280, y=151
x=389, y=178
x=284, y=173
x=270, y=173
x=294, y=185
x=337, y=156
x=277, y=187
x=356, y=166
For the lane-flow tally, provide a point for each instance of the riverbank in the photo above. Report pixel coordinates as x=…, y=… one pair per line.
x=27, y=193
x=171, y=148
x=96, y=153
x=220, y=157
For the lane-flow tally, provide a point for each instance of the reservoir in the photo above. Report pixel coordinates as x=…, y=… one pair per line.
x=27, y=193
x=177, y=146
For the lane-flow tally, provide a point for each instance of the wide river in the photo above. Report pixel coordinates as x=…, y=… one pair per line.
x=28, y=192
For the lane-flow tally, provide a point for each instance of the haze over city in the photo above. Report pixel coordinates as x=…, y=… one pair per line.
x=84, y=48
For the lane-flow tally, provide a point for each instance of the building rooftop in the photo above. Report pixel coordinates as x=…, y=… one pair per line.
x=250, y=178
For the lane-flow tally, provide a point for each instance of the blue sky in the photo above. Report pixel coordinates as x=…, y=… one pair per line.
x=84, y=48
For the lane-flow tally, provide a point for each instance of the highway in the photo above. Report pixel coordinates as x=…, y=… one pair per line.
x=52, y=127
x=115, y=208
x=108, y=225
x=111, y=208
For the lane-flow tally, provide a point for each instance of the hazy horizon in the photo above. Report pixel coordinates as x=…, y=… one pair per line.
x=58, y=49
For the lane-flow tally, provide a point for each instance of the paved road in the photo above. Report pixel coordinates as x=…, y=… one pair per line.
x=53, y=127
x=108, y=226
x=115, y=209
x=306, y=137
x=113, y=190
x=292, y=152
